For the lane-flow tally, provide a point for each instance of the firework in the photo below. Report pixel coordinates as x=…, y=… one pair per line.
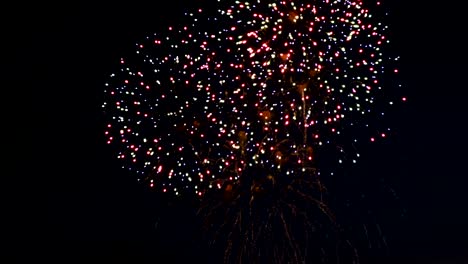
x=196, y=106
x=249, y=98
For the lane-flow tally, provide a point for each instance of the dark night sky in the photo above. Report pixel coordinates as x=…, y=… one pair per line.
x=86, y=206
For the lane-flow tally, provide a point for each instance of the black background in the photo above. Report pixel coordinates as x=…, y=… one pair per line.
x=69, y=201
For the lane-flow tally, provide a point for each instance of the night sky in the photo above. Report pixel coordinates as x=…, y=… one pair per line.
x=71, y=197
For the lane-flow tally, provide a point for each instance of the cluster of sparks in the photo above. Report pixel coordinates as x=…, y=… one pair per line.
x=253, y=85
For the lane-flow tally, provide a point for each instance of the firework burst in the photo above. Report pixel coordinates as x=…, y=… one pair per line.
x=240, y=104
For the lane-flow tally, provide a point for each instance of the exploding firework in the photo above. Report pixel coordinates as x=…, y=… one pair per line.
x=241, y=104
